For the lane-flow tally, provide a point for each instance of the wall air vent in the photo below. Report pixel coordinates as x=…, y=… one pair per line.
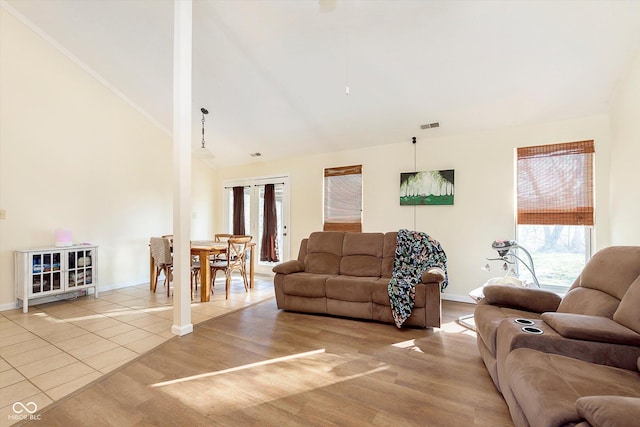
x=430, y=125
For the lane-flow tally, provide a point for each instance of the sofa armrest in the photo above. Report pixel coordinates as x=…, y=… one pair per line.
x=288, y=267
x=433, y=275
x=530, y=299
x=602, y=411
x=591, y=328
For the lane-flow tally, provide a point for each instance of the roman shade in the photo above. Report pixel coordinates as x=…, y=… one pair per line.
x=555, y=184
x=343, y=198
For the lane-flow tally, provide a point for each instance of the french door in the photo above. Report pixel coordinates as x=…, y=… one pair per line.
x=254, y=189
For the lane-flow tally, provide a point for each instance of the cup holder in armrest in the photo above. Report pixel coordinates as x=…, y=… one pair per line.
x=532, y=330
x=525, y=322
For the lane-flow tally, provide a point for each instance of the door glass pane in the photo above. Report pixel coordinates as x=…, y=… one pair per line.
x=247, y=210
x=279, y=193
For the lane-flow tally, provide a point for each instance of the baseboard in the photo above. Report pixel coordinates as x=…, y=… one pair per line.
x=457, y=298
x=114, y=286
x=182, y=330
x=10, y=306
x=70, y=295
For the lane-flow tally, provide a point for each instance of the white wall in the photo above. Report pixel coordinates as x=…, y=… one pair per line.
x=625, y=160
x=74, y=155
x=484, y=199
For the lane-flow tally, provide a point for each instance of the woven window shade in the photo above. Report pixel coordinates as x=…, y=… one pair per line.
x=555, y=184
x=343, y=198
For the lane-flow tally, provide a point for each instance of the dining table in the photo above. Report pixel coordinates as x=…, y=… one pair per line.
x=204, y=249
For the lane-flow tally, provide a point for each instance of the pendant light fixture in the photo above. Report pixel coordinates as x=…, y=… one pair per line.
x=204, y=111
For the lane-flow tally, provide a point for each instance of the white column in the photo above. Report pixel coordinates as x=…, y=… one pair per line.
x=182, y=167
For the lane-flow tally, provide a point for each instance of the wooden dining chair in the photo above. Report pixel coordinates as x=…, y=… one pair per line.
x=235, y=261
x=220, y=237
x=162, y=259
x=195, y=273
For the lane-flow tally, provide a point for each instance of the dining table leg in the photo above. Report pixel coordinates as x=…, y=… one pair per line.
x=205, y=276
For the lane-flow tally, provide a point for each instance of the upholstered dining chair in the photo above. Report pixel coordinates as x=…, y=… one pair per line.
x=162, y=259
x=235, y=261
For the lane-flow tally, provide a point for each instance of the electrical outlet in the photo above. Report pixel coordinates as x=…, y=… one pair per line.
x=3, y=214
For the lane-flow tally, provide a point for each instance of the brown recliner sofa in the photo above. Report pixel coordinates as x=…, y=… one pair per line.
x=596, y=323
x=347, y=274
x=548, y=389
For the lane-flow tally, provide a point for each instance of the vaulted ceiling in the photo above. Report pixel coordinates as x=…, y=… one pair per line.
x=273, y=73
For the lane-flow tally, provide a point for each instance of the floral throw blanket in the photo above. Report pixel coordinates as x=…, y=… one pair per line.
x=415, y=252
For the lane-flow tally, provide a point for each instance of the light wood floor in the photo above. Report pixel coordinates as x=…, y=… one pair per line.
x=59, y=347
x=264, y=367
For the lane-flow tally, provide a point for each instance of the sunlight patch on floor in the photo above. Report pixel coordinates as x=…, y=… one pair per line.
x=456, y=328
x=409, y=344
x=448, y=328
x=261, y=382
x=238, y=368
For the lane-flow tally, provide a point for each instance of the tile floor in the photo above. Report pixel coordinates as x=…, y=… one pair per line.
x=57, y=348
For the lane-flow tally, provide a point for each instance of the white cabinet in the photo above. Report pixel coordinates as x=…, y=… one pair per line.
x=51, y=271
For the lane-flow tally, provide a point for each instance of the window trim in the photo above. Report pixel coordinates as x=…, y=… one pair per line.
x=580, y=216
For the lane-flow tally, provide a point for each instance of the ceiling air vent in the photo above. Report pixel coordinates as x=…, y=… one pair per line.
x=430, y=125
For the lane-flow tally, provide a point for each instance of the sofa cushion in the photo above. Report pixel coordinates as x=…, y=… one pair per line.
x=591, y=328
x=360, y=265
x=612, y=270
x=350, y=288
x=363, y=244
x=305, y=284
x=324, y=251
x=361, y=254
x=528, y=299
x=605, y=411
x=587, y=301
x=603, y=282
x=380, y=293
x=546, y=386
x=628, y=312
x=389, y=253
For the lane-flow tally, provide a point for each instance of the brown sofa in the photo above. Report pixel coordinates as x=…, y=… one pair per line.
x=553, y=390
x=347, y=274
x=594, y=328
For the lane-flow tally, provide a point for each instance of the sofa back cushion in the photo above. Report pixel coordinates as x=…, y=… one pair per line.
x=603, y=282
x=628, y=312
x=302, y=253
x=389, y=253
x=362, y=254
x=324, y=251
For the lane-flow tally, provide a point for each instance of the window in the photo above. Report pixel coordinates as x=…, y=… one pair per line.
x=343, y=198
x=555, y=209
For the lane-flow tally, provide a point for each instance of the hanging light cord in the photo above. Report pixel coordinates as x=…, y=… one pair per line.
x=204, y=111
x=415, y=169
